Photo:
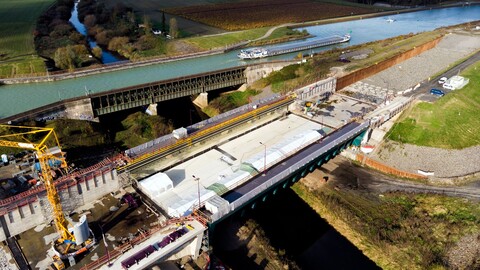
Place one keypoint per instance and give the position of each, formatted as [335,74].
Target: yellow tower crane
[42,140]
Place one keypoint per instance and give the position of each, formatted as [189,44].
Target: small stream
[107,57]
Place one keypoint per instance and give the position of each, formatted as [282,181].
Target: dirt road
[343,173]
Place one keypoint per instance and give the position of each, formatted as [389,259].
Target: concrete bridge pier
[201,100]
[80,110]
[152,109]
[192,249]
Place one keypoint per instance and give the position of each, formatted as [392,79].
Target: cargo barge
[256,53]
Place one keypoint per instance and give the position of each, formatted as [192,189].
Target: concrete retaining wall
[374,69]
[257,72]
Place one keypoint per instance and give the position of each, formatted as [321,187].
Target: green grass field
[451,122]
[17,22]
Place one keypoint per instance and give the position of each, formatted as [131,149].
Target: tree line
[117,29]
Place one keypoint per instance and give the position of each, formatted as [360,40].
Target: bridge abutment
[31,210]
[152,109]
[257,72]
[201,100]
[80,110]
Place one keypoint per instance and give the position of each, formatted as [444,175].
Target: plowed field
[253,14]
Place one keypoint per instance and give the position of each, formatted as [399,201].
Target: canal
[33,95]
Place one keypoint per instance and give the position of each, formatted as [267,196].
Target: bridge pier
[201,100]
[152,109]
[80,110]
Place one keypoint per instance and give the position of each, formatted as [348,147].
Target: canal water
[290,225]
[107,57]
[33,95]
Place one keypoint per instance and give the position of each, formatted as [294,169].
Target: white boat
[256,53]
[390,20]
[253,53]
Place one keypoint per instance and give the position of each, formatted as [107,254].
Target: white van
[448,86]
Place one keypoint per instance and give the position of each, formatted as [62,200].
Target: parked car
[442,80]
[437,92]
[448,86]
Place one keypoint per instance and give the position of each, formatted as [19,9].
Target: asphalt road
[423,93]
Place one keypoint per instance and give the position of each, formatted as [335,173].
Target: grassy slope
[210,42]
[397,231]
[451,122]
[17,22]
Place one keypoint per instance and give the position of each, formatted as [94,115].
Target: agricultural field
[255,14]
[17,22]
[153,9]
[451,122]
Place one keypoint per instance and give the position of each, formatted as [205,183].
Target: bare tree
[164,27]
[173,28]
[90,21]
[147,24]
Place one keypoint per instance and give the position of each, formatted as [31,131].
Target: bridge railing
[296,166]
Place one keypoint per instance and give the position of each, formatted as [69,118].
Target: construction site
[111,214]
[133,212]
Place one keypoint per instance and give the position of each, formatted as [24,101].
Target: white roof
[284,149]
[156,184]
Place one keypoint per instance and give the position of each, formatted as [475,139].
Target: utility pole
[198,188]
[106,246]
[264,159]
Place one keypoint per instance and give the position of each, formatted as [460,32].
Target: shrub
[117,43]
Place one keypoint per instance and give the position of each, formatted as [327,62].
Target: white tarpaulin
[280,151]
[155,185]
[182,204]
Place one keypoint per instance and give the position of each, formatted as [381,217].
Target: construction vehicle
[57,263]
[44,142]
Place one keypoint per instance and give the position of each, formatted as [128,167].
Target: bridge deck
[323,146]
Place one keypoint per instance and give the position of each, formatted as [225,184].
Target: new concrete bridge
[291,170]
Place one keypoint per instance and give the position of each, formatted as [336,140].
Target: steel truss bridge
[145,94]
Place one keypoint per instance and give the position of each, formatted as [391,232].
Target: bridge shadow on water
[293,226]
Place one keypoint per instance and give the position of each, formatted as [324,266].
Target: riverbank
[217,49]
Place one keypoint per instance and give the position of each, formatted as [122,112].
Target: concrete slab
[340,109]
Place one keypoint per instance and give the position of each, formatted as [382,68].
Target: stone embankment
[453,164]
[444,163]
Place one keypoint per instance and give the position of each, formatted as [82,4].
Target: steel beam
[141,95]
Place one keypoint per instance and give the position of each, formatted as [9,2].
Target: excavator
[44,142]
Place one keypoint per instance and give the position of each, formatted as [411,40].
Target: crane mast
[44,136]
